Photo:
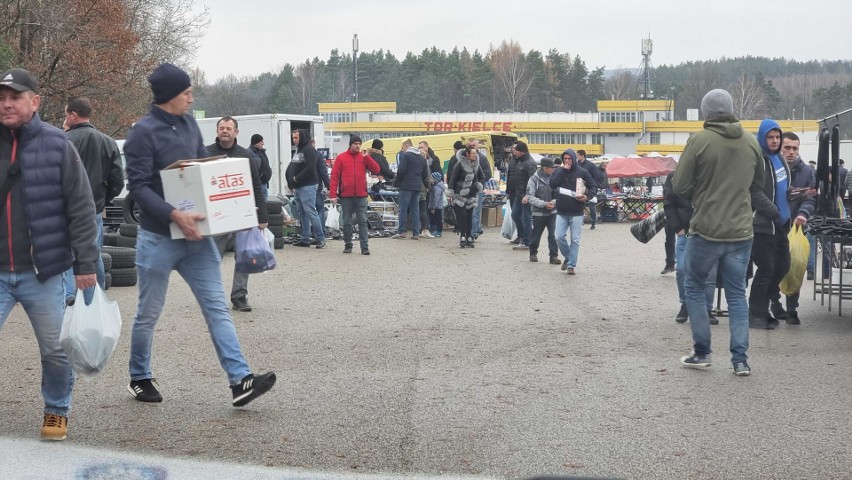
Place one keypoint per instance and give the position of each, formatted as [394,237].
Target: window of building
[597,139]
[537,137]
[655,138]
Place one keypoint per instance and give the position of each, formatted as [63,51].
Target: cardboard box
[489,217]
[218,188]
[500,212]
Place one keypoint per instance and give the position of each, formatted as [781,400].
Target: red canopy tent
[640,167]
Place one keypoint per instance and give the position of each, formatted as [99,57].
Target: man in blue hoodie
[770,250]
[168,133]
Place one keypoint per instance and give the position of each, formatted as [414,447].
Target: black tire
[277,230]
[107,280]
[274,205]
[278,243]
[107,258]
[124,277]
[110,239]
[275,219]
[127,242]
[130,210]
[129,229]
[122,257]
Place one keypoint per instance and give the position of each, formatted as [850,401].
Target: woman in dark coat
[465,182]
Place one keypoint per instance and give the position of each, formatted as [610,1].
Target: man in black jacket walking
[227,130]
[102,161]
[521,168]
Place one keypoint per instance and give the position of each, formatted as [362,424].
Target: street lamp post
[355,67]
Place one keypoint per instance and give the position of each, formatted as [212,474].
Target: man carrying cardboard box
[168,134]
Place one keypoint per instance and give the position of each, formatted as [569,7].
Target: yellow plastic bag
[800,249]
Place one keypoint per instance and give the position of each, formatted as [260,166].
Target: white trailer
[275,128]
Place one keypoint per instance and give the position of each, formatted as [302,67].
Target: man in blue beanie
[165,135]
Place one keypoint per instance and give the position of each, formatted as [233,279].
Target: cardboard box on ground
[217,187]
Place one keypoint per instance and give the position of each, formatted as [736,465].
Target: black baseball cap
[19,79]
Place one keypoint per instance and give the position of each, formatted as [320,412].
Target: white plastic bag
[270,237]
[333,219]
[90,333]
[508,229]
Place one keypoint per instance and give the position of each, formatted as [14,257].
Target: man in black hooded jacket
[302,180]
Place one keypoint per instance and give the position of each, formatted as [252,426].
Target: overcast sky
[255,36]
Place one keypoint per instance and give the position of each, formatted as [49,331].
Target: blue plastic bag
[252,251]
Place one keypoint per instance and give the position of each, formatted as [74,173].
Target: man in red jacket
[349,184]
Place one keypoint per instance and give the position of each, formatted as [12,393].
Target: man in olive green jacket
[720,169]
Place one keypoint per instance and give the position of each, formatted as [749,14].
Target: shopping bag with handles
[90,333]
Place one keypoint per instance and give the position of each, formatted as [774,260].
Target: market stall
[637,203]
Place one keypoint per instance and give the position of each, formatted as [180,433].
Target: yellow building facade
[618,128]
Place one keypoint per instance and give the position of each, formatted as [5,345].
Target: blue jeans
[199,265]
[569,251]
[522,216]
[409,203]
[68,275]
[732,258]
[323,213]
[265,192]
[44,305]
[309,218]
[680,251]
[477,214]
[358,207]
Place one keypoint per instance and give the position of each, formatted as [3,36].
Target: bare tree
[306,81]
[748,95]
[618,86]
[510,70]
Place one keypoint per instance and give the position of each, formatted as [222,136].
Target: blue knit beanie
[167,82]
[437,176]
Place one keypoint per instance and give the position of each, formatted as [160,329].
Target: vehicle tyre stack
[123,266]
[127,233]
[107,258]
[275,217]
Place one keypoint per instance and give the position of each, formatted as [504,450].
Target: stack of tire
[122,271]
[121,247]
[275,217]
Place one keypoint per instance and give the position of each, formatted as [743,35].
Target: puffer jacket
[349,174]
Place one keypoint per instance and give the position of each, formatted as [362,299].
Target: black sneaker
[144,390]
[515,241]
[810,275]
[321,245]
[772,321]
[777,311]
[682,315]
[668,269]
[555,261]
[251,387]
[593,227]
[302,244]
[241,304]
[533,258]
[761,323]
[742,369]
[365,251]
[713,319]
[347,249]
[696,361]
[793,318]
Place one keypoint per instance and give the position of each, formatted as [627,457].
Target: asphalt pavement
[426,359]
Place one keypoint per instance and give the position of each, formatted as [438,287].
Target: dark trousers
[771,256]
[539,224]
[464,221]
[671,237]
[436,220]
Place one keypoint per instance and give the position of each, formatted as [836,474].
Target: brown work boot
[55,427]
